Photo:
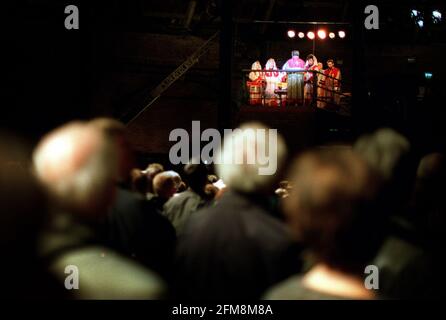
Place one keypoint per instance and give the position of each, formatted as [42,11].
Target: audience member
[404,267]
[77,164]
[333,210]
[165,185]
[151,171]
[236,249]
[180,208]
[134,225]
[23,208]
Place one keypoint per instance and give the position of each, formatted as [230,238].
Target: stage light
[310,35]
[428,75]
[341,34]
[418,18]
[291,34]
[436,16]
[301,35]
[321,34]
[332,35]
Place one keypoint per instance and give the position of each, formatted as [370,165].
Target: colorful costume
[295,81]
[332,85]
[309,78]
[272,78]
[255,85]
[320,89]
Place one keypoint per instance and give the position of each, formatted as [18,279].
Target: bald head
[166,183]
[77,164]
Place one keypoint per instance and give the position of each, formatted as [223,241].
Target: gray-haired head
[251,158]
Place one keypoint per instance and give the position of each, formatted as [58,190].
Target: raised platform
[302,127]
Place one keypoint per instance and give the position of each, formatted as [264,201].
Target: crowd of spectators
[219,232]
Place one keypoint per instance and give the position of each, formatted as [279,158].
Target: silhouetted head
[196,176]
[332,208]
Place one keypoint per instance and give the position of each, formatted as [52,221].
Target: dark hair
[140,181]
[330,60]
[151,171]
[196,176]
[310,56]
[333,208]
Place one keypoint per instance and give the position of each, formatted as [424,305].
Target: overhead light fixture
[322,34]
[436,16]
[291,34]
[310,35]
[415,13]
[332,35]
[341,34]
[417,17]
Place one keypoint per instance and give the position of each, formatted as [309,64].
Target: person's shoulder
[294,289]
[125,201]
[181,198]
[104,274]
[260,219]
[288,289]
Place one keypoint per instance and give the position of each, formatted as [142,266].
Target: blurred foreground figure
[135,226]
[22,212]
[236,248]
[332,209]
[77,163]
[429,199]
[429,207]
[403,264]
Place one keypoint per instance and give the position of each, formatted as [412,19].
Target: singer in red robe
[256,84]
[332,84]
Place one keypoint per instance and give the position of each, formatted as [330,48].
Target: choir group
[294,83]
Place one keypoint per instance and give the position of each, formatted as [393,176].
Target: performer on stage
[272,78]
[310,65]
[320,89]
[256,84]
[294,80]
[332,83]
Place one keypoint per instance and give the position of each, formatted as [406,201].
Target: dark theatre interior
[94,207]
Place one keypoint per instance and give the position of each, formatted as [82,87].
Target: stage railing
[326,92]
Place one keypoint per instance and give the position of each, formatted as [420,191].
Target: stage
[302,126]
